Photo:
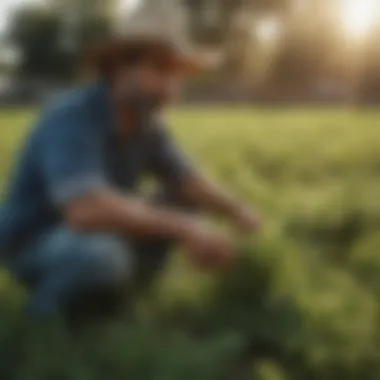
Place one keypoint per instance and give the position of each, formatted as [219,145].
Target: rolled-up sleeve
[70,156]
[168,162]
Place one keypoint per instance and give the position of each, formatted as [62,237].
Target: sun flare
[358,16]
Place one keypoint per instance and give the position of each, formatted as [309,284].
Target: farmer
[73,228]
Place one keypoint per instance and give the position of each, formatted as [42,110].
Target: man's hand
[208,247]
[246,221]
[202,192]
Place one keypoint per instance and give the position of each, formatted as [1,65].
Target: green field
[308,287]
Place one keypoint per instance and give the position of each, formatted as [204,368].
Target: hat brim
[182,59]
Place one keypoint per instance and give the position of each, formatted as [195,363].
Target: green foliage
[37,34]
[301,303]
[44,41]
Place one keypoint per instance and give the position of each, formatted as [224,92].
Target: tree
[369,86]
[50,46]
[35,33]
[309,46]
[211,19]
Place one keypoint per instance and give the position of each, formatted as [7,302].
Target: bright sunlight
[268,29]
[358,16]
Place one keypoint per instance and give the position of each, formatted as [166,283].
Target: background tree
[35,32]
[50,43]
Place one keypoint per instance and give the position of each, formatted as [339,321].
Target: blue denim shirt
[74,149]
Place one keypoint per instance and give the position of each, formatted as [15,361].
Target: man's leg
[65,269]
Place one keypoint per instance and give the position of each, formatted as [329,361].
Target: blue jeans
[64,269]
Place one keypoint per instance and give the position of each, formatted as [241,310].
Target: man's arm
[106,210]
[173,168]
[70,157]
[203,192]
[72,166]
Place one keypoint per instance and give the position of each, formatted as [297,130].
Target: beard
[142,103]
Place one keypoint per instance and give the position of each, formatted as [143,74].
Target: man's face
[148,87]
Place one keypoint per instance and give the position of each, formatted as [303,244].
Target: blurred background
[288,121]
[273,50]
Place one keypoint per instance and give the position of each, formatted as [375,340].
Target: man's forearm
[126,215]
[204,193]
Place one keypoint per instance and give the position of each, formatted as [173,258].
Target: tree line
[298,47]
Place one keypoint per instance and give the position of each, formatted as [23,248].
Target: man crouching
[72,221]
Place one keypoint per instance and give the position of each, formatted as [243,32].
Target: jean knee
[106,260]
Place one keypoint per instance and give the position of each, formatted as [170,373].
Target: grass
[280,160]
[315,177]
[300,168]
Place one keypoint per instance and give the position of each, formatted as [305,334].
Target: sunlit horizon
[356,19]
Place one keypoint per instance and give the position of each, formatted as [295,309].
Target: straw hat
[159,32]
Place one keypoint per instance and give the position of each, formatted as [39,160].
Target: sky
[6,7]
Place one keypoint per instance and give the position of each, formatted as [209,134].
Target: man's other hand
[208,247]
[246,221]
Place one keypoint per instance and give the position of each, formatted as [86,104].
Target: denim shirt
[74,149]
